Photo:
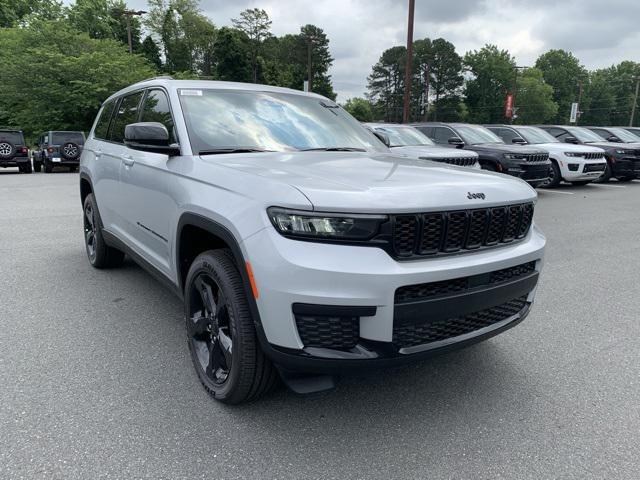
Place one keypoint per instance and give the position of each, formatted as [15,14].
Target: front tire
[555,177]
[625,179]
[99,253]
[221,333]
[606,176]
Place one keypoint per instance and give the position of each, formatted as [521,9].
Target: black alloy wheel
[99,253]
[555,177]
[209,328]
[90,231]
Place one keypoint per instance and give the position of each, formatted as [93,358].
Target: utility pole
[635,101]
[309,71]
[408,67]
[579,99]
[128,14]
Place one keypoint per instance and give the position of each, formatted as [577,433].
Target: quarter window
[102,127]
[156,109]
[127,113]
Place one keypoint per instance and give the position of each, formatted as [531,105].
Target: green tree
[256,25]
[493,73]
[360,108]
[14,12]
[321,60]
[564,73]
[231,52]
[437,74]
[75,74]
[386,84]
[150,50]
[534,98]
[599,99]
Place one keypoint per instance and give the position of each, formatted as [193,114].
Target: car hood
[568,147]
[611,145]
[433,152]
[498,147]
[378,182]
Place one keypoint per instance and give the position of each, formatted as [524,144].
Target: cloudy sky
[598,32]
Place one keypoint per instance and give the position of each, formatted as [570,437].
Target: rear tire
[48,168]
[99,253]
[37,167]
[73,169]
[221,333]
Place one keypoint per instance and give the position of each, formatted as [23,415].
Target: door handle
[97,153]
[127,160]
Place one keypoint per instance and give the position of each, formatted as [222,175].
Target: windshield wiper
[333,149]
[214,151]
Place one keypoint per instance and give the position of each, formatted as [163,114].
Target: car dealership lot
[96,380]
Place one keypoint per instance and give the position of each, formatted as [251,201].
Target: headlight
[574,154]
[624,152]
[330,226]
[513,156]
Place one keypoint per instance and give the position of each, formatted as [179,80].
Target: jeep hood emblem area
[472,196]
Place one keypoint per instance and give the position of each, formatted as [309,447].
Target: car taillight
[50,149]
[24,150]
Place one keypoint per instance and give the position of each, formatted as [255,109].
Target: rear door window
[127,113]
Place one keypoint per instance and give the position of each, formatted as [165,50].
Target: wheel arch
[86,187]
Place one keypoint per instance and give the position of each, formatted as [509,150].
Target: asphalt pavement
[96,380]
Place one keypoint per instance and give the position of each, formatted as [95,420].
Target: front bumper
[361,282]
[576,169]
[532,173]
[626,167]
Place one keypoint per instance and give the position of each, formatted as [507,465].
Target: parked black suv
[14,151]
[634,130]
[529,164]
[623,160]
[58,148]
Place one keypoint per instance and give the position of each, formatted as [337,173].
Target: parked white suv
[577,164]
[409,141]
[299,243]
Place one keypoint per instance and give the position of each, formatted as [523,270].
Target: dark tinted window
[556,132]
[428,131]
[127,113]
[563,135]
[602,132]
[102,127]
[442,135]
[60,138]
[15,138]
[506,134]
[156,109]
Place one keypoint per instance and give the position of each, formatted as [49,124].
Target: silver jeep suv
[301,245]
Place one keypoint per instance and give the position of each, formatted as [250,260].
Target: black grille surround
[592,155]
[411,335]
[429,234]
[459,161]
[535,157]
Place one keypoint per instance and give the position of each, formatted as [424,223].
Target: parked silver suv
[300,244]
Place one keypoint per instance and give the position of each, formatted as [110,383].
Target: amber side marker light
[252,281]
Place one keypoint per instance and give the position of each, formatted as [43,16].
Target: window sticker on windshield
[191,93]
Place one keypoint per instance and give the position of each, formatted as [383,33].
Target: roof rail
[15,129]
[160,77]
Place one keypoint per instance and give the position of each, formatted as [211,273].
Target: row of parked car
[543,155]
[53,149]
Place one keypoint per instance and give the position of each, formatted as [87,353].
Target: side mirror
[456,141]
[613,138]
[519,141]
[149,137]
[571,140]
[383,137]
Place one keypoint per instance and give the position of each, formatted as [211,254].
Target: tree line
[58,63]
[472,88]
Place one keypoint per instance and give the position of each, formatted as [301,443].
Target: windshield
[536,135]
[405,136]
[474,134]
[60,138]
[623,135]
[273,121]
[12,137]
[584,135]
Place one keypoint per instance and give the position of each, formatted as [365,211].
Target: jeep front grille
[592,155]
[459,161]
[447,232]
